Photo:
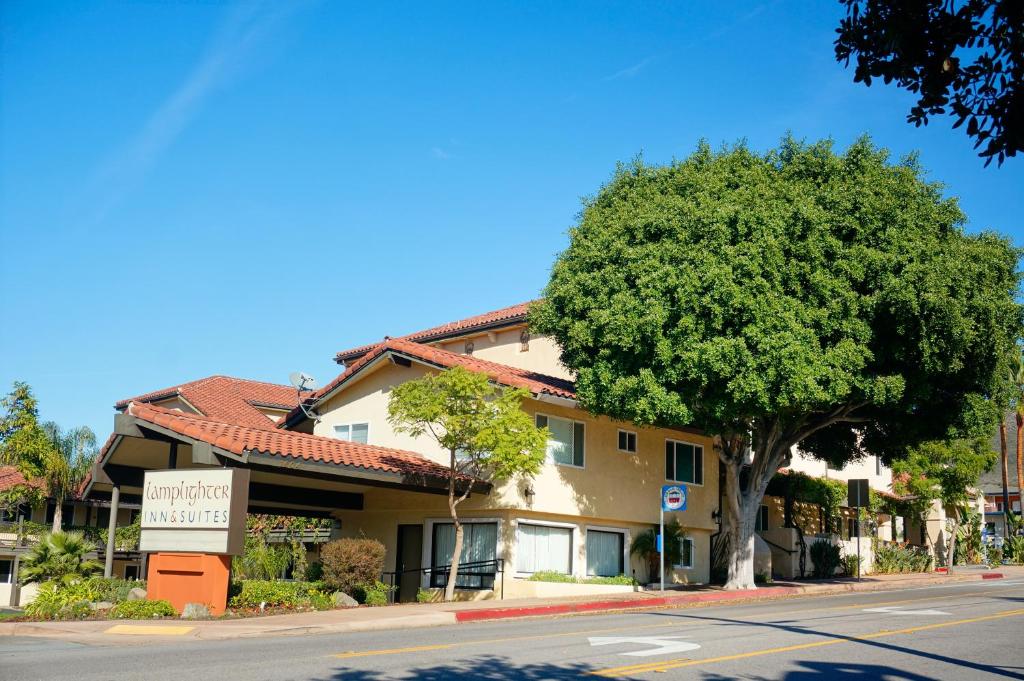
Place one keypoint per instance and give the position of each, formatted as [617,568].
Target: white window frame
[696,446]
[574,422]
[335,426]
[574,532]
[636,442]
[763,509]
[684,566]
[427,552]
[627,569]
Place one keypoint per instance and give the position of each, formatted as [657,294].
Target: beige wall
[504,346]
[865,468]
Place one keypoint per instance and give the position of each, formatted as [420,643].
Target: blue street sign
[659,543]
[673,498]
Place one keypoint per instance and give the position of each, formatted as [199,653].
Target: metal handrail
[394,577]
[771,543]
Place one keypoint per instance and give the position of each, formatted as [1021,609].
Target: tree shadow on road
[852,638]
[834,671]
[482,668]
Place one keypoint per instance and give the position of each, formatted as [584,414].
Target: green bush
[425,596]
[1013,549]
[250,593]
[351,563]
[315,572]
[850,565]
[375,593]
[900,558]
[826,557]
[65,599]
[113,589]
[562,578]
[993,554]
[142,610]
[260,560]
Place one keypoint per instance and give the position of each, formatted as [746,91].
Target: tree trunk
[58,517]
[951,545]
[1020,462]
[741,530]
[453,502]
[1006,493]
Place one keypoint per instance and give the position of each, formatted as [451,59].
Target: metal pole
[661,552]
[108,564]
[858,544]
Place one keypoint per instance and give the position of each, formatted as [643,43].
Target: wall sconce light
[716,515]
[528,492]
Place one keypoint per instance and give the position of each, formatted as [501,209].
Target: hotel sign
[195,510]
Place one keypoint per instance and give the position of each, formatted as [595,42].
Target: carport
[290,473]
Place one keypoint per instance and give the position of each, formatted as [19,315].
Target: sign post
[193,521]
[673,498]
[858,497]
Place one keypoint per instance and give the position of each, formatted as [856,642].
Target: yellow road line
[392,651]
[665,665]
[147,630]
[633,627]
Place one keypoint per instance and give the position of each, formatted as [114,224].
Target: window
[12,514]
[851,528]
[353,432]
[565,440]
[543,548]
[761,523]
[131,571]
[605,556]
[67,514]
[684,462]
[479,543]
[103,516]
[627,441]
[687,554]
[878,465]
[6,570]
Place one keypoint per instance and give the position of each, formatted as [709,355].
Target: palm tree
[67,464]
[645,545]
[59,556]
[1017,377]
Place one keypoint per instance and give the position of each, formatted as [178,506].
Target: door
[409,556]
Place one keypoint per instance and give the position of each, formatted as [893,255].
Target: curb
[766,593]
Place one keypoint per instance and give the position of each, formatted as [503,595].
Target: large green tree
[482,427]
[66,465]
[795,297]
[24,444]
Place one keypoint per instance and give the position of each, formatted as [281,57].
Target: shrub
[250,593]
[64,599]
[562,578]
[850,565]
[551,576]
[994,555]
[826,558]
[113,589]
[1013,549]
[425,596]
[260,560]
[900,558]
[350,563]
[315,572]
[142,610]
[59,555]
[375,593]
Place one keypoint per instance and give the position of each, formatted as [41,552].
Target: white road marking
[895,610]
[663,644]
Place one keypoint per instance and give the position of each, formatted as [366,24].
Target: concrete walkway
[415,615]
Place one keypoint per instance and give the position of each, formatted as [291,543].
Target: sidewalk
[413,615]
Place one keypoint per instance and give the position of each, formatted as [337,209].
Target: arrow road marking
[663,644]
[900,611]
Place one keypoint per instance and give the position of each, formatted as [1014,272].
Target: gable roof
[513,314]
[227,399]
[244,440]
[503,374]
[11,477]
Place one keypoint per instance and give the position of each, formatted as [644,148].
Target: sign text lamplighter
[673,498]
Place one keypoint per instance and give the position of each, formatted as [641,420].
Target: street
[967,631]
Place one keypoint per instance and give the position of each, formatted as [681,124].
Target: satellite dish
[301,380]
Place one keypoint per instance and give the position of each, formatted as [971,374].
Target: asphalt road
[967,631]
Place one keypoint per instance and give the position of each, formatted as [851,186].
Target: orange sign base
[189,578]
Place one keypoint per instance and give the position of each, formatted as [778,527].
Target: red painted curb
[991,575]
[591,606]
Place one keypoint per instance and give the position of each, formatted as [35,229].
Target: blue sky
[192,188]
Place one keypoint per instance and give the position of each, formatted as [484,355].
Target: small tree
[945,471]
[482,427]
[60,556]
[24,443]
[645,545]
[67,463]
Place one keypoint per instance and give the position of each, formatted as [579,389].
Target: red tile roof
[11,477]
[503,374]
[288,444]
[227,399]
[506,315]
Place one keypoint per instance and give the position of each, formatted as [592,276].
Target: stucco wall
[505,347]
[865,468]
